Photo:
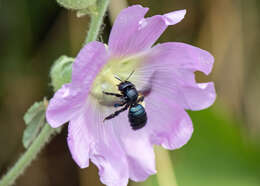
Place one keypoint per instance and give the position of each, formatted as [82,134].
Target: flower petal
[124,27]
[132,33]
[141,157]
[182,56]
[90,137]
[138,148]
[172,66]
[175,17]
[87,65]
[109,157]
[199,96]
[169,124]
[64,105]
[80,136]
[68,100]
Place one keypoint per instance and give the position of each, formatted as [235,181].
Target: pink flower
[165,72]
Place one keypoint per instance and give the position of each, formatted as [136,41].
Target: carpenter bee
[130,98]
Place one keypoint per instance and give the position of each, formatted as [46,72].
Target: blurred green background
[224,149]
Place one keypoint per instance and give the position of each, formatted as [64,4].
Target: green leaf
[34,119]
[33,111]
[76,4]
[61,72]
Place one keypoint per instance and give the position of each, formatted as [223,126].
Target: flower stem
[115,6]
[165,175]
[96,21]
[26,159]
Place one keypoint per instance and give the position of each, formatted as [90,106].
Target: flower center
[106,81]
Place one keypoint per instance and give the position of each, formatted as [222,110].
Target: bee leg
[120,104]
[112,94]
[141,99]
[116,112]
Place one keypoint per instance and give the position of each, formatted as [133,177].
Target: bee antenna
[130,75]
[117,78]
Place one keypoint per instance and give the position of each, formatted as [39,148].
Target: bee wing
[173,77]
[143,80]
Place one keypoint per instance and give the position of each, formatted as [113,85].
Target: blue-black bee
[130,98]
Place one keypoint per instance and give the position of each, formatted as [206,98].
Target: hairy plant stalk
[97,21]
[26,159]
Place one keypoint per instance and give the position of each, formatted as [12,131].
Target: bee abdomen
[137,116]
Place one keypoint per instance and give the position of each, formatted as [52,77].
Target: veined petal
[132,33]
[68,100]
[88,63]
[124,27]
[175,17]
[169,125]
[172,66]
[199,96]
[182,56]
[80,138]
[141,158]
[90,137]
[109,157]
[65,104]
[138,148]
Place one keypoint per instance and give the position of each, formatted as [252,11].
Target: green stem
[115,7]
[96,21]
[165,175]
[26,159]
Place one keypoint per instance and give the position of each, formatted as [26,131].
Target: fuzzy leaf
[34,119]
[33,111]
[76,4]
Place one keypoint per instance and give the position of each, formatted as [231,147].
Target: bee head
[125,85]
